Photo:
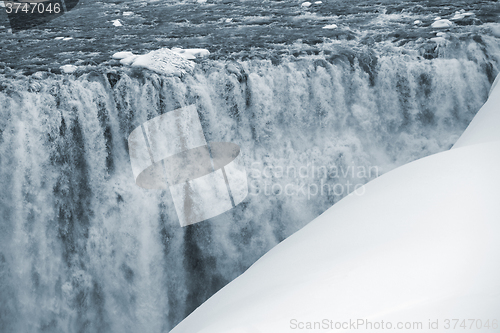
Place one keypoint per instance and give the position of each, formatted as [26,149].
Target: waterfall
[84,249]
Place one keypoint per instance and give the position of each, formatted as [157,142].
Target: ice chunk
[122,55]
[164,61]
[330,26]
[306,4]
[117,23]
[442,24]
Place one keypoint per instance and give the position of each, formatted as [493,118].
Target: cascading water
[83,249]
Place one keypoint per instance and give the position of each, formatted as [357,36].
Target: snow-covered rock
[191,53]
[420,244]
[68,69]
[330,26]
[306,4]
[164,61]
[442,24]
[117,23]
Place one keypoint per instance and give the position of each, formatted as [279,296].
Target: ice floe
[441,24]
[330,26]
[128,13]
[306,4]
[122,55]
[163,61]
[417,22]
[318,2]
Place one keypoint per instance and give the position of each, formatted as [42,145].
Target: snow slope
[422,243]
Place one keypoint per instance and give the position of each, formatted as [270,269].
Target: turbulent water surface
[83,249]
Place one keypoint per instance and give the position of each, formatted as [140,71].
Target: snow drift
[419,244]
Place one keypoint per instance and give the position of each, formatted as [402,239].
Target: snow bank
[422,243]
